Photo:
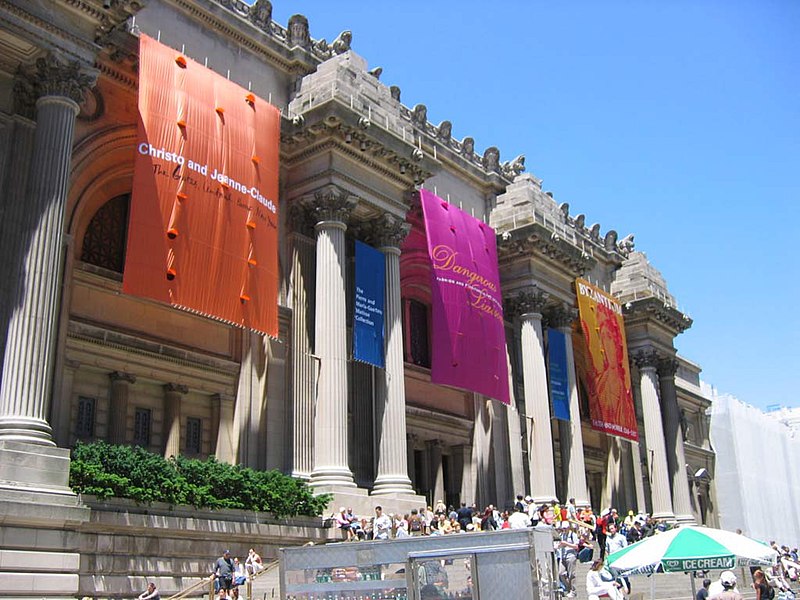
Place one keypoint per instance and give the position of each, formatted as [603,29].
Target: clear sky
[677,121]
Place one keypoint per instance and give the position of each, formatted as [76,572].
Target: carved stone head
[395,92]
[420,115]
[491,159]
[261,14]
[298,31]
[468,147]
[445,131]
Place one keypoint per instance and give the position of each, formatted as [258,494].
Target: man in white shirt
[519,520]
[614,540]
[381,525]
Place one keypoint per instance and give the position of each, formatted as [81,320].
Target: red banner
[203,232]
[601,360]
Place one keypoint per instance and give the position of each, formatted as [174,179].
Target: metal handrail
[184,593]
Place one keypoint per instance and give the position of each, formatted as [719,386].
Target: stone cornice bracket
[332,203]
[667,367]
[122,376]
[656,309]
[390,231]
[560,316]
[176,387]
[647,358]
[51,75]
[531,300]
[115,16]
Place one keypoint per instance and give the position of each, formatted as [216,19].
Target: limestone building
[83,361]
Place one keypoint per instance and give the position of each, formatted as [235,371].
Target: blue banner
[559,378]
[369,305]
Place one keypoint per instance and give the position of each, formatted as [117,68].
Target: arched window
[104,241]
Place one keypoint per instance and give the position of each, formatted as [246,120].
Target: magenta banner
[468,337]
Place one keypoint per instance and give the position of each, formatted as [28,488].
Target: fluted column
[173,398]
[61,411]
[437,472]
[647,361]
[390,407]
[303,365]
[30,345]
[576,468]
[331,207]
[411,440]
[673,434]
[468,485]
[118,410]
[529,306]
[222,427]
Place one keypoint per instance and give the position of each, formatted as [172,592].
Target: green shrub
[107,471]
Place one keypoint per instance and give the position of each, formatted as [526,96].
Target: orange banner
[203,232]
[601,359]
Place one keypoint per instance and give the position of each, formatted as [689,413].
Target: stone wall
[122,546]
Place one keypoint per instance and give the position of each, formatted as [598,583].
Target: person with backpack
[764,591]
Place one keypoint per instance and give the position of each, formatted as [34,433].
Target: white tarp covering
[757,477]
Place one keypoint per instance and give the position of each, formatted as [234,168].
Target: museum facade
[84,361]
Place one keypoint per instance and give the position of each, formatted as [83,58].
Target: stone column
[30,345]
[390,409]
[222,427]
[118,408]
[61,413]
[303,364]
[673,435]
[576,468]
[467,474]
[529,306]
[332,207]
[411,440]
[173,397]
[437,473]
[517,468]
[647,361]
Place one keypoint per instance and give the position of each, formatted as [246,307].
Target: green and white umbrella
[691,549]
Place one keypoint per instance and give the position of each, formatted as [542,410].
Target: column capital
[52,75]
[121,376]
[330,203]
[434,443]
[529,300]
[222,398]
[561,316]
[175,388]
[389,231]
[667,367]
[647,359]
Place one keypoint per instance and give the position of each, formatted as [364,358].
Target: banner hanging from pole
[468,337]
[203,231]
[559,378]
[601,359]
[368,320]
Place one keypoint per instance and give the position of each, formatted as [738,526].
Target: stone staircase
[267,586]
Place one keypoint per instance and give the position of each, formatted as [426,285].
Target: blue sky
[678,121]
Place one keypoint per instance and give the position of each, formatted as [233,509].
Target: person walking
[223,572]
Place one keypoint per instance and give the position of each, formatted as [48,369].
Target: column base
[332,476]
[392,484]
[664,516]
[27,430]
[545,500]
[686,519]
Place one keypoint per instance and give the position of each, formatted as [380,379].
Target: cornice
[535,240]
[646,309]
[246,35]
